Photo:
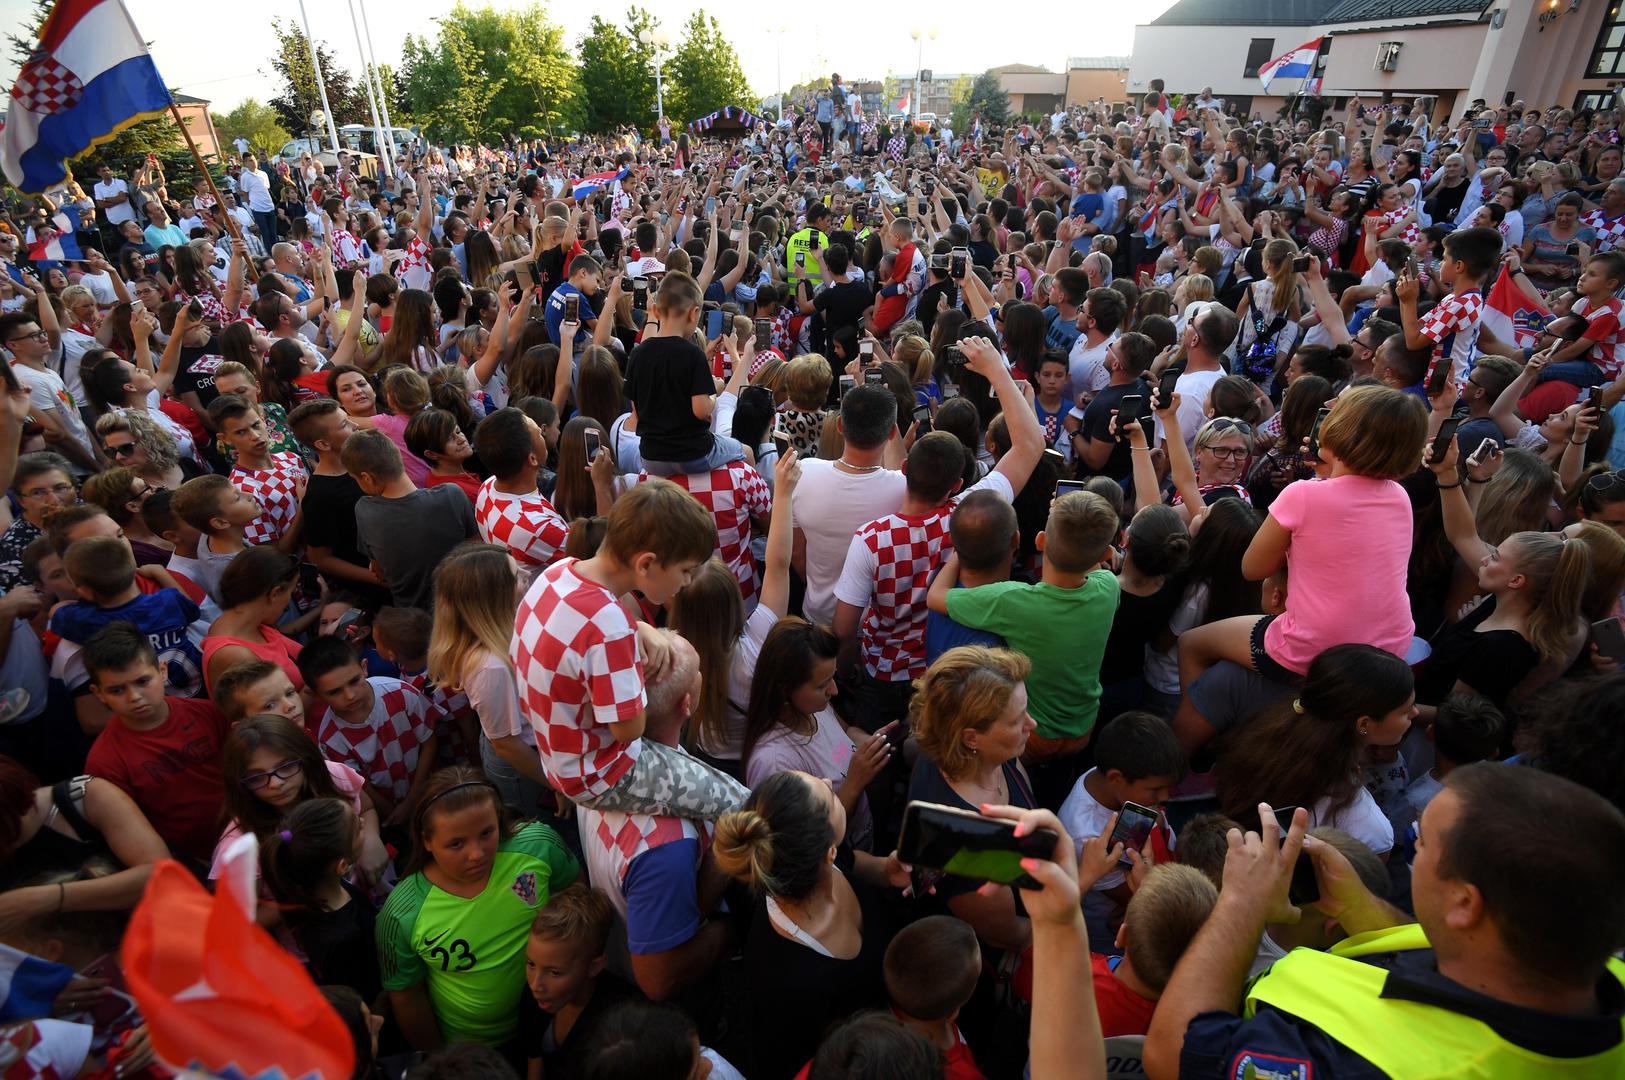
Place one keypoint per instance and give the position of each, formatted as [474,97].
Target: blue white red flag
[1297,64]
[589,184]
[1511,315]
[89,78]
[902,103]
[29,985]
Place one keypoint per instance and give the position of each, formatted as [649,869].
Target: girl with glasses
[271,765]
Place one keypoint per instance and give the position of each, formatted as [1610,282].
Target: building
[195,114]
[1096,78]
[1031,89]
[1544,52]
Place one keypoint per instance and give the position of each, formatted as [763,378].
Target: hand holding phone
[971,845]
[1441,441]
[1134,826]
[592,444]
[1313,451]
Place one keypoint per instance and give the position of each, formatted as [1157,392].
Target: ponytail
[1558,571]
[779,842]
[299,856]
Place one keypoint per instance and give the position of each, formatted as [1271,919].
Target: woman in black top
[822,921]
[63,827]
[1157,545]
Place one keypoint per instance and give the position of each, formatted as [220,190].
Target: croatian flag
[902,104]
[54,242]
[587,185]
[1511,315]
[89,78]
[28,985]
[1297,64]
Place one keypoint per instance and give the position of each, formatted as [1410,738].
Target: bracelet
[1450,487]
[1145,449]
[1476,480]
[61,895]
[1577,442]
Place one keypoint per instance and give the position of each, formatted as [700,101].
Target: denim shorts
[1265,664]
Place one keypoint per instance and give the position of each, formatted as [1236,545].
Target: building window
[1259,53]
[1608,58]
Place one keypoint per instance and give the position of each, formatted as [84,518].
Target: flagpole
[231,222]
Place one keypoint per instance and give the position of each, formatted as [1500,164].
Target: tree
[255,122]
[986,96]
[299,95]
[704,73]
[488,74]
[617,75]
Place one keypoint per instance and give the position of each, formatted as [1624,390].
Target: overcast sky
[218,51]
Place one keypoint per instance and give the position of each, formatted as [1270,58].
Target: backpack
[1259,362]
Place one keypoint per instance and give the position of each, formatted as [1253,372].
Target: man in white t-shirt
[1208,333]
[1099,317]
[254,187]
[33,348]
[112,197]
[833,498]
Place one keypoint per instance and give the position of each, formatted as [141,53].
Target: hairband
[287,835]
[455,787]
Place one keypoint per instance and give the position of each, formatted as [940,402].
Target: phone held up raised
[1133,829]
[970,845]
[1441,441]
[1314,434]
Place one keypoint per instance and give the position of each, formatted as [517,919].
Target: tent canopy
[730,118]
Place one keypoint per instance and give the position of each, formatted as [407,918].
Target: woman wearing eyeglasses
[134,440]
[1222,450]
[270,765]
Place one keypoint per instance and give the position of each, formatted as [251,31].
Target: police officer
[1519,889]
[814,235]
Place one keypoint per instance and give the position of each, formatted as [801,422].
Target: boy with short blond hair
[806,379]
[257,688]
[1167,910]
[579,659]
[221,512]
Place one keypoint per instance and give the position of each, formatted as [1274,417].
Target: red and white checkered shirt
[612,839]
[733,494]
[346,248]
[413,272]
[1413,232]
[451,705]
[527,525]
[1610,232]
[384,747]
[277,490]
[576,657]
[213,310]
[888,570]
[1603,328]
[1452,325]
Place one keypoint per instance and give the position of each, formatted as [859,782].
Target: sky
[210,53]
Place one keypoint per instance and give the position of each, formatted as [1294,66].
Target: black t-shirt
[329,509]
[195,372]
[926,312]
[841,306]
[1492,662]
[561,1061]
[663,376]
[1137,621]
[339,945]
[1097,421]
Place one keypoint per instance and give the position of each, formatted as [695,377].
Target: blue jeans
[723,451]
[1581,373]
[265,220]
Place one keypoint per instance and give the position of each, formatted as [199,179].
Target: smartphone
[1314,433]
[1063,487]
[801,260]
[1134,825]
[592,443]
[1301,263]
[958,263]
[764,334]
[939,262]
[1165,388]
[1055,457]
[713,324]
[1132,405]
[781,442]
[1610,638]
[954,356]
[898,735]
[1593,398]
[866,350]
[1441,441]
[1438,375]
[710,205]
[874,202]
[967,844]
[1486,449]
[922,420]
[572,308]
[873,376]
[524,277]
[847,383]
[195,310]
[640,294]
[924,207]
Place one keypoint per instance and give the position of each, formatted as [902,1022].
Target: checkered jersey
[1413,232]
[213,310]
[1603,327]
[277,490]
[527,525]
[576,658]
[346,248]
[888,569]
[733,494]
[615,838]
[1452,325]
[412,272]
[1610,231]
[384,747]
[452,704]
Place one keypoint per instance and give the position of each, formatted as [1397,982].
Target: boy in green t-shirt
[1061,624]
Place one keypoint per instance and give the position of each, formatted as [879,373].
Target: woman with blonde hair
[476,592]
[914,355]
[134,440]
[969,717]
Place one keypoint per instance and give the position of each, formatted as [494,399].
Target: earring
[1363,730]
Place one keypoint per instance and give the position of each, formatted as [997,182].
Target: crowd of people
[570,560]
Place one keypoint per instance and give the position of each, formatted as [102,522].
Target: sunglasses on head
[1224,423]
[1606,481]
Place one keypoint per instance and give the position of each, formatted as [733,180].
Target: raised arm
[776,575]
[346,349]
[497,344]
[1026,436]
[1459,526]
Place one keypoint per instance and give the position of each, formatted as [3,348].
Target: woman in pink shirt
[1345,540]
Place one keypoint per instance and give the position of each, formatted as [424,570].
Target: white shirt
[828,506]
[46,392]
[254,184]
[121,211]
[1088,366]
[1193,388]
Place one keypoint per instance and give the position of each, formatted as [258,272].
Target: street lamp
[778,65]
[919,62]
[656,41]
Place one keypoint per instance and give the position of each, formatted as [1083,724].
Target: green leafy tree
[704,73]
[298,95]
[617,74]
[986,96]
[256,122]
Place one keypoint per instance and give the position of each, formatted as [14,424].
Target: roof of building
[188,99]
[1020,69]
[1245,13]
[1096,63]
[1352,10]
